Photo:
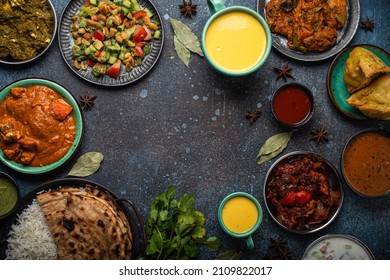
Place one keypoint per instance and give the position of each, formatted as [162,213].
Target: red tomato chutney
[292,104]
[37,126]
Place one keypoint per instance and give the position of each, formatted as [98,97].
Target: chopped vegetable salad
[108,34]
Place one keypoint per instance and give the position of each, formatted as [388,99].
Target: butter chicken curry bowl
[41,125]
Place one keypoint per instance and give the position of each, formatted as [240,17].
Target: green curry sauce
[8,196]
[25,28]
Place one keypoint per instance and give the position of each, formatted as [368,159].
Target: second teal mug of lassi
[240,215]
[236,40]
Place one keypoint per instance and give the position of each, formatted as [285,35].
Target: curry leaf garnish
[185,38]
[274,146]
[87,164]
[175,229]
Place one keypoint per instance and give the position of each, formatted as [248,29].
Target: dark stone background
[186,127]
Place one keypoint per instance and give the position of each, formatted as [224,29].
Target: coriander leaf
[175,229]
[186,203]
[198,232]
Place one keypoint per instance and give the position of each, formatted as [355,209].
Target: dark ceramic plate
[136,223]
[337,89]
[332,177]
[344,36]
[65,40]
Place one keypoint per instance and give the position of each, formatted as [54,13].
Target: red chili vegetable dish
[300,192]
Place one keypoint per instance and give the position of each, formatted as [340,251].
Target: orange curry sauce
[37,126]
[366,164]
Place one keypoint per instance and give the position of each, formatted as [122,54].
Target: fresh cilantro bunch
[175,229]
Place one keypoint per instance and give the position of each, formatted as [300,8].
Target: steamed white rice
[30,237]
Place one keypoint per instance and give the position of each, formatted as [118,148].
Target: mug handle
[215,5]
[249,242]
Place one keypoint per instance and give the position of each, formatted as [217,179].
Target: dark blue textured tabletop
[186,126]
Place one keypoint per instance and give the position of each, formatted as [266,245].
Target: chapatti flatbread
[86,224]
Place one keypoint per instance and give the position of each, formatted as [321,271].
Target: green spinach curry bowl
[27,30]
[41,126]
[9,196]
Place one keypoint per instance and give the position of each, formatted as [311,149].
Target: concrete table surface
[186,127]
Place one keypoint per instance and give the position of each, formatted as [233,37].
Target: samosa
[374,100]
[361,69]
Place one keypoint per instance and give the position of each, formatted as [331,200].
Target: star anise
[278,250]
[252,116]
[87,100]
[284,72]
[320,135]
[187,8]
[278,244]
[367,25]
[285,254]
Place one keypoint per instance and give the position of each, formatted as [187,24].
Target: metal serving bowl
[332,177]
[367,165]
[53,31]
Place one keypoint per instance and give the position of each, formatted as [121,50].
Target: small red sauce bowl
[292,104]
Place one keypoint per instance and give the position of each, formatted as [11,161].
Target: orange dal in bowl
[366,164]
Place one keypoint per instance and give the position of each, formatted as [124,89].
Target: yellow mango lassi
[235,41]
[239,214]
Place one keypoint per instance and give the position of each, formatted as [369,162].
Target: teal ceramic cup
[236,40]
[240,215]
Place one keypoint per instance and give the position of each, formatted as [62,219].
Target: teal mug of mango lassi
[236,40]
[240,215]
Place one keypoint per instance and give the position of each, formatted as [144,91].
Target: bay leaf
[273,146]
[182,52]
[87,164]
[230,255]
[186,36]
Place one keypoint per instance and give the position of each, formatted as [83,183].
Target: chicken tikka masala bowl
[41,125]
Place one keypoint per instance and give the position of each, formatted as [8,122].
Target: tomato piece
[140,44]
[302,197]
[289,199]
[97,54]
[90,62]
[87,3]
[149,34]
[139,14]
[138,51]
[99,35]
[87,36]
[113,70]
[139,34]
